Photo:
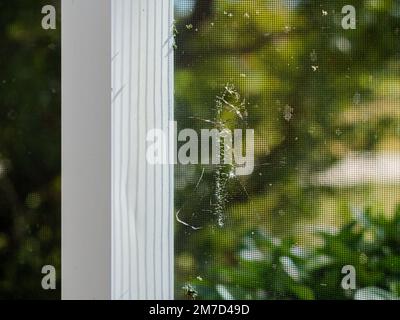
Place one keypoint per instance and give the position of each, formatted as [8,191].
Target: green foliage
[268,268]
[30,149]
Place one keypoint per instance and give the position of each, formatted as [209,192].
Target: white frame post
[86,149]
[142,193]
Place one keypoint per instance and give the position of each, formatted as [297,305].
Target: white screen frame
[142,193]
[90,243]
[86,149]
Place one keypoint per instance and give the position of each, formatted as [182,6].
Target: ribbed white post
[142,193]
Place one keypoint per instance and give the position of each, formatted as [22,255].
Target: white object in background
[361,168]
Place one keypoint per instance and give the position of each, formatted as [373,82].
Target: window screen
[311,89]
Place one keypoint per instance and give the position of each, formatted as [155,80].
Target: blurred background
[30,149]
[324,103]
[325,106]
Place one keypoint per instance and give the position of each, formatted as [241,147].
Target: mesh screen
[318,83]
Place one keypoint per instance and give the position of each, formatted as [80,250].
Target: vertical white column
[142,193]
[86,150]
